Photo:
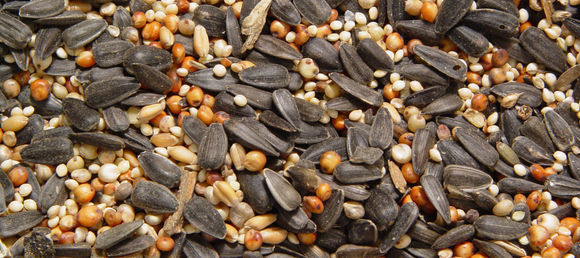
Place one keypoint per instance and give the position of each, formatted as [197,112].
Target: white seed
[571,59]
[560,156]
[560,96]
[476,67]
[503,208]
[53,222]
[360,18]
[524,16]
[219,70]
[493,189]
[576,202]
[398,85]
[435,155]
[403,242]
[30,205]
[395,77]
[399,55]
[520,170]
[548,96]
[240,100]
[558,166]
[549,221]
[336,25]
[465,93]
[551,33]
[401,153]
[15,206]
[355,115]
[415,86]
[542,25]
[532,68]
[109,173]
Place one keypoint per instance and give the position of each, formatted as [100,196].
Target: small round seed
[253,240]
[313,204]
[240,100]
[90,215]
[328,161]
[503,208]
[323,191]
[255,161]
[219,70]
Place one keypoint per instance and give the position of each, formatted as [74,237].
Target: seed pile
[277,128]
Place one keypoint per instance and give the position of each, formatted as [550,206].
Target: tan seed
[150,111]
[182,154]
[273,235]
[14,123]
[200,41]
[261,221]
[503,208]
[164,140]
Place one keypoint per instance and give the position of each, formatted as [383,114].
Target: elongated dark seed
[101,140]
[201,213]
[382,130]
[49,40]
[442,61]
[148,55]
[493,22]
[160,169]
[349,173]
[361,92]
[470,41]
[355,65]
[559,131]
[477,147]
[517,185]
[449,15]
[563,187]
[131,245]
[117,234]
[490,249]
[316,16]
[436,195]
[13,32]
[405,219]
[499,228]
[241,133]
[543,49]
[256,98]
[80,115]
[51,151]
[324,54]
[83,33]
[286,196]
[276,47]
[154,197]
[81,250]
[466,178]
[454,236]
[105,93]
[331,213]
[152,78]
[286,106]
[15,223]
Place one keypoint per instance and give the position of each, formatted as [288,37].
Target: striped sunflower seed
[83,33]
[154,197]
[333,209]
[117,234]
[499,228]
[201,214]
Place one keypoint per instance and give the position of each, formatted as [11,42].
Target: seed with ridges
[154,197]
